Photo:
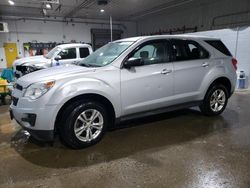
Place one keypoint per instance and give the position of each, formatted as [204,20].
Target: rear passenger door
[191,64]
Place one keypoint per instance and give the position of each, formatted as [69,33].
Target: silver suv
[125,79]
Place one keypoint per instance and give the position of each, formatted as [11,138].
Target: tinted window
[84,52]
[217,44]
[153,52]
[69,53]
[187,50]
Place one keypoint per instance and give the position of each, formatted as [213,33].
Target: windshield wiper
[88,65]
[84,64]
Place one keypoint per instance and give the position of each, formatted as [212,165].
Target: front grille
[15,101]
[19,87]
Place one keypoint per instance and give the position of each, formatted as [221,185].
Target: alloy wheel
[88,125]
[217,100]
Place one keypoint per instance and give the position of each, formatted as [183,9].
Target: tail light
[234,62]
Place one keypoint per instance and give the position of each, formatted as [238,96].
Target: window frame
[186,41]
[67,49]
[137,48]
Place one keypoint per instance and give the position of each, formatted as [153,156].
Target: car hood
[54,73]
[32,61]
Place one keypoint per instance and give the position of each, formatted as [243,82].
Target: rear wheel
[215,100]
[83,124]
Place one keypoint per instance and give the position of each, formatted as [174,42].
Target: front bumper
[41,135]
[37,121]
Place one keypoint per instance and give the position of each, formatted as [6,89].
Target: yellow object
[10,53]
[3,86]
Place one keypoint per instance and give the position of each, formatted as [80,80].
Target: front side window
[188,50]
[69,53]
[153,52]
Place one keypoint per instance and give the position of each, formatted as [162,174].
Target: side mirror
[58,57]
[133,62]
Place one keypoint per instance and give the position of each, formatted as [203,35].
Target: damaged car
[60,55]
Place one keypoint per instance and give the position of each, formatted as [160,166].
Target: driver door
[150,86]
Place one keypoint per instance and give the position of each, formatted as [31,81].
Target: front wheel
[84,124]
[215,101]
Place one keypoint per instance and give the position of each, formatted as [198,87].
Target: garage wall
[39,31]
[203,14]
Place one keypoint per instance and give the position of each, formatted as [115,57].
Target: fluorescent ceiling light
[48,6]
[102,10]
[11,2]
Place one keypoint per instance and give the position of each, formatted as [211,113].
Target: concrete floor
[177,149]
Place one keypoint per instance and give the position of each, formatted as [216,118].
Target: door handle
[166,71]
[205,64]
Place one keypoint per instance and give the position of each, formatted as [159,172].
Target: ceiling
[130,10]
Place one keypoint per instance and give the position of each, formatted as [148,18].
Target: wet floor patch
[176,149]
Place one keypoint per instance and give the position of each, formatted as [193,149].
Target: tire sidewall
[70,122]
[206,102]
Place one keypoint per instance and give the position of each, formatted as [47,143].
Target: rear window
[218,45]
[84,52]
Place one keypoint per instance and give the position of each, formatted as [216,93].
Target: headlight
[37,90]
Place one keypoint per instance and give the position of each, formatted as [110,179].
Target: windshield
[52,52]
[106,54]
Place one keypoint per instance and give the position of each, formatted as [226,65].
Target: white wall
[29,30]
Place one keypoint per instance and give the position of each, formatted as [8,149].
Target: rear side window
[183,50]
[218,45]
[84,52]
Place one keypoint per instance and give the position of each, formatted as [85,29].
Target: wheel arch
[224,81]
[91,96]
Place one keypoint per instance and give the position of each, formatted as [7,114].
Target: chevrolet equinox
[124,79]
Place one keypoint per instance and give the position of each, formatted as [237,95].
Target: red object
[234,62]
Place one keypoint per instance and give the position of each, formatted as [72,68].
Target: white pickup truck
[60,55]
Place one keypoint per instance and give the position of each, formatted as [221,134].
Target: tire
[212,105]
[77,130]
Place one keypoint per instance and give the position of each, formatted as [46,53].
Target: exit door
[10,53]
[100,37]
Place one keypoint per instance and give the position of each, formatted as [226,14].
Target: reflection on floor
[177,149]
